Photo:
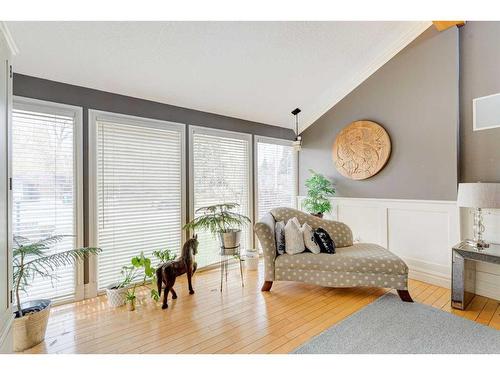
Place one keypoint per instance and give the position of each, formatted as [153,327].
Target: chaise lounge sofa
[353,264]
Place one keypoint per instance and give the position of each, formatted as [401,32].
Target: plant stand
[225,255]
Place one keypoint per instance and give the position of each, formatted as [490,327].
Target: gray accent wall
[479,76]
[38,88]
[415,98]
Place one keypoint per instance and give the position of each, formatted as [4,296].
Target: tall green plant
[31,259]
[319,189]
[218,218]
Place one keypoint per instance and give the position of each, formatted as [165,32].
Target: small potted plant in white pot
[222,221]
[123,292]
[117,292]
[319,190]
[30,260]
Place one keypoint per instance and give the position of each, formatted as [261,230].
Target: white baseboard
[429,277]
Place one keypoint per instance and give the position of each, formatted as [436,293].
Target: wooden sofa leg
[267,286]
[405,296]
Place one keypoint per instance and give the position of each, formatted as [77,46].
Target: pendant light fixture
[297,144]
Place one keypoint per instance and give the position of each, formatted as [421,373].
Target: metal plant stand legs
[224,264]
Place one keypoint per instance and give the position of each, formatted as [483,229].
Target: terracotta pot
[319,214]
[29,330]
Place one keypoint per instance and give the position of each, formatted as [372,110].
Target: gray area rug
[390,326]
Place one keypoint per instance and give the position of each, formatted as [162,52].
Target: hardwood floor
[238,320]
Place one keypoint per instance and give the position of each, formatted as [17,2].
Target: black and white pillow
[279,232]
[324,241]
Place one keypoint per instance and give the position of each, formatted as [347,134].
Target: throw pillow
[309,241]
[294,240]
[296,221]
[279,232]
[324,241]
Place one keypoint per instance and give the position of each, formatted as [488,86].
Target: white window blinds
[220,167]
[139,182]
[44,167]
[276,175]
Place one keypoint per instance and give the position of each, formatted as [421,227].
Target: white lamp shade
[479,195]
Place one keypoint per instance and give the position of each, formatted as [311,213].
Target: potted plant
[31,259]
[319,190]
[117,292]
[223,222]
[123,292]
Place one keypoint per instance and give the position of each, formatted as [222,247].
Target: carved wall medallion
[361,150]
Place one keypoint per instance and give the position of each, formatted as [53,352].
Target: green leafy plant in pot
[124,292]
[32,259]
[117,292]
[223,222]
[319,190]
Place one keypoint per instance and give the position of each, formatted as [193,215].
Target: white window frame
[36,105]
[277,141]
[193,129]
[91,289]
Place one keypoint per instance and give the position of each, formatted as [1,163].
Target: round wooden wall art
[361,150]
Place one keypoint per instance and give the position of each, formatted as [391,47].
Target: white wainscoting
[421,232]
[487,275]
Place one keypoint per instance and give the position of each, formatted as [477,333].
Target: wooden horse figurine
[185,264]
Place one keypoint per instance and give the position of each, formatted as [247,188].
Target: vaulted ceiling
[257,71]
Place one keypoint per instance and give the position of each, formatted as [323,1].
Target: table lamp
[478,196]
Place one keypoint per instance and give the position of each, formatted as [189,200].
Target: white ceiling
[256,71]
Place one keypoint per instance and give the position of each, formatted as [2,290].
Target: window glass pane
[44,200]
[220,174]
[276,177]
[139,187]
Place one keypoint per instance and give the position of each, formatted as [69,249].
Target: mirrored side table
[463,275]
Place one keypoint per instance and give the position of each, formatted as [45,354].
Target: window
[276,165]
[220,172]
[139,196]
[46,167]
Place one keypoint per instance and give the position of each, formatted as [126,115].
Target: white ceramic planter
[116,297]
[251,259]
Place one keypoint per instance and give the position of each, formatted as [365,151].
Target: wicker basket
[29,330]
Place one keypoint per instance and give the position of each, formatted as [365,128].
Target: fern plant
[32,259]
[319,189]
[218,218]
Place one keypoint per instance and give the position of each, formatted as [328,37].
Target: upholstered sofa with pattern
[353,264]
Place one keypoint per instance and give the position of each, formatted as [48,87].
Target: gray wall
[479,76]
[415,97]
[37,88]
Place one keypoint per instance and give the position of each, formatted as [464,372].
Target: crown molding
[332,97]
[8,38]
